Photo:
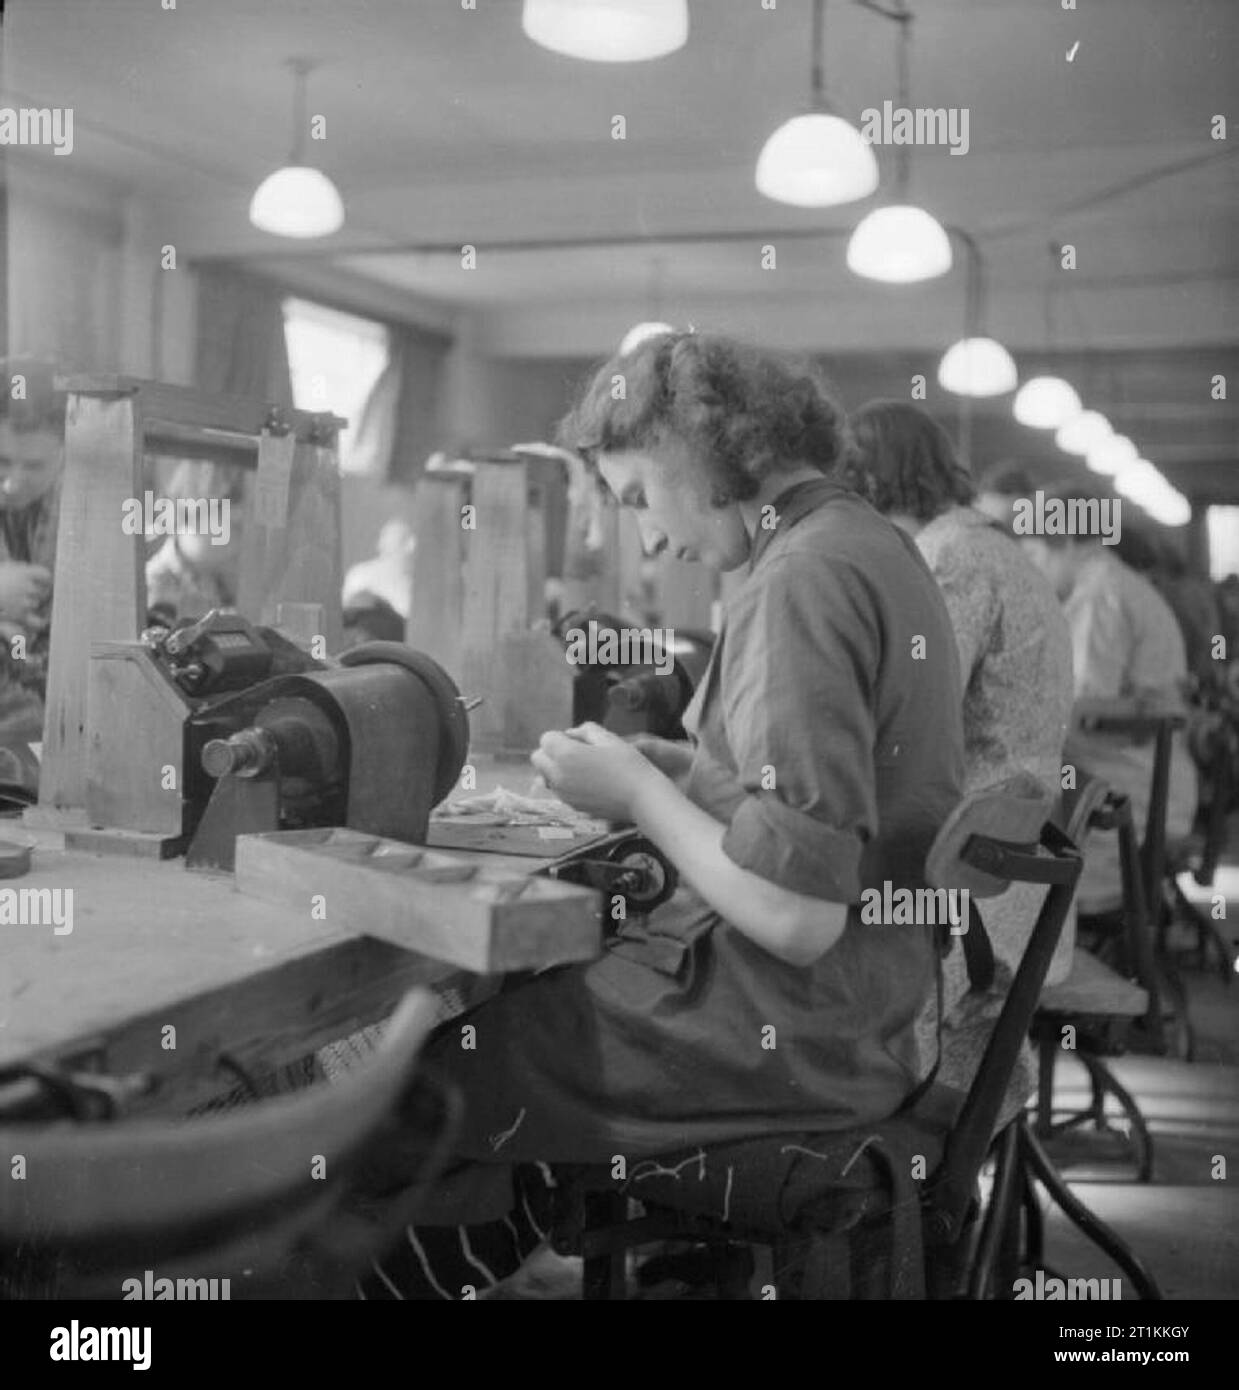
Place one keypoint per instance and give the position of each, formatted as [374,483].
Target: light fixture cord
[300,69]
[904,83]
[1051,304]
[974,310]
[974,284]
[817,42]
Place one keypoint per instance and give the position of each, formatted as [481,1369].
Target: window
[335,360]
[1222,524]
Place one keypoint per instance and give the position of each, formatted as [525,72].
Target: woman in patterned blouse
[1015,661]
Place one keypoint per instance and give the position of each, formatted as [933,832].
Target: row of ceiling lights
[815,159]
[818,159]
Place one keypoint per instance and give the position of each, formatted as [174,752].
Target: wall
[85,285]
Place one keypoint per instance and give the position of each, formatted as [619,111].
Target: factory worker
[1129,660]
[32,427]
[191,573]
[828,752]
[1015,656]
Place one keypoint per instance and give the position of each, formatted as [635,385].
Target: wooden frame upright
[290,550]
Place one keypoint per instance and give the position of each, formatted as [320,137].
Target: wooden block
[54,818]
[137,728]
[478,912]
[434,625]
[98,586]
[497,555]
[133,843]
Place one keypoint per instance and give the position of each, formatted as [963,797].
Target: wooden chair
[255,1196]
[1157,869]
[839,1210]
[1214,741]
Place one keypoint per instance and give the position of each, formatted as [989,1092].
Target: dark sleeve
[797,679]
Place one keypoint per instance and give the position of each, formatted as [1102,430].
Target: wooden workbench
[249,987]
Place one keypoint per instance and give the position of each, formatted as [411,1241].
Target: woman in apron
[827,752]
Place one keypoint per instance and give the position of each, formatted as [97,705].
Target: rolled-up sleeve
[799,665]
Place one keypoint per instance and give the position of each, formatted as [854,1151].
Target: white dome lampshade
[977,367]
[900,244]
[1045,403]
[816,161]
[1083,433]
[1141,482]
[1171,508]
[1111,455]
[607,31]
[297,201]
[638,333]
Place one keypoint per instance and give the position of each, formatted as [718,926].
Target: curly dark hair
[904,461]
[745,413]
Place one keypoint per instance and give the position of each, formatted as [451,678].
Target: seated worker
[828,753]
[998,489]
[189,574]
[1129,659]
[368,618]
[388,574]
[1015,659]
[32,426]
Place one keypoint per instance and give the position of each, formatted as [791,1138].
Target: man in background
[32,426]
[387,575]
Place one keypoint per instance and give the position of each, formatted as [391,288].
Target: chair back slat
[1078,808]
[951,1189]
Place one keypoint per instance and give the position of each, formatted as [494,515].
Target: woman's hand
[671,757]
[595,771]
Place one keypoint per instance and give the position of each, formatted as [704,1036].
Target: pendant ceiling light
[976,365]
[607,31]
[1046,402]
[1083,433]
[1141,482]
[639,332]
[818,159]
[297,200]
[900,243]
[1111,454]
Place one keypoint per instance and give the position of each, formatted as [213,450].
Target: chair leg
[604,1275]
[1047,1054]
[1104,1080]
[1035,1158]
[1003,1200]
[1034,1222]
[1208,936]
[1097,1104]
